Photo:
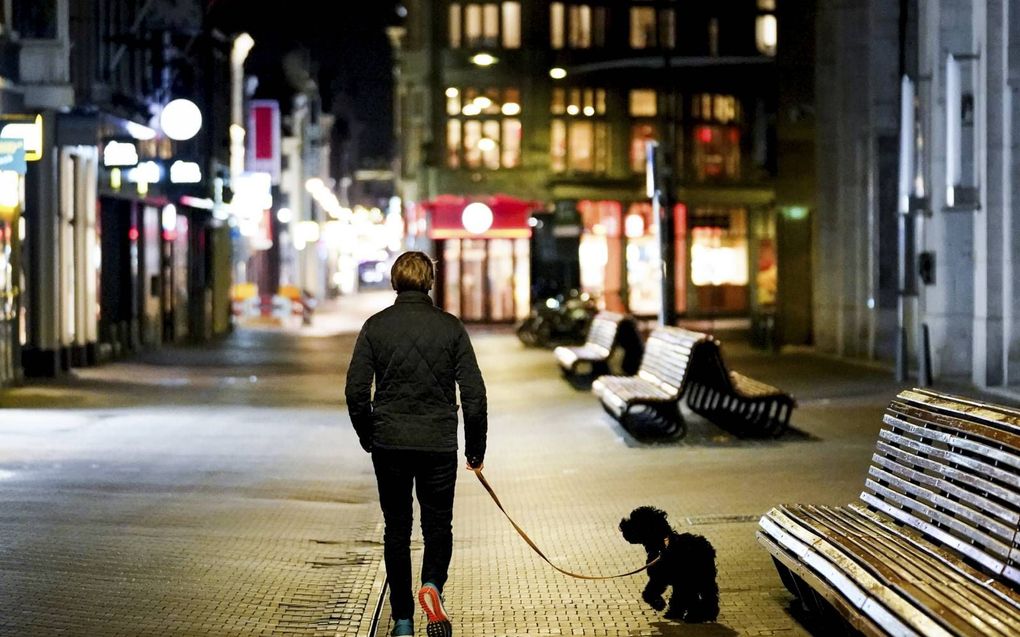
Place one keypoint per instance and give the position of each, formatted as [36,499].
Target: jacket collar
[412,296]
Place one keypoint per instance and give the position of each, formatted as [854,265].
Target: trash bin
[763,330]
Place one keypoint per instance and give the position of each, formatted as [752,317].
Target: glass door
[473,279]
[501,280]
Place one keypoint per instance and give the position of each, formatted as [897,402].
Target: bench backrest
[667,357]
[950,468]
[712,370]
[602,333]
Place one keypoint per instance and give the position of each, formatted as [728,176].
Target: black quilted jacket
[416,353]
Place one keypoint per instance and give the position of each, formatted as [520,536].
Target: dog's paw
[655,601]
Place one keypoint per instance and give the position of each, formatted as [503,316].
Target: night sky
[341,44]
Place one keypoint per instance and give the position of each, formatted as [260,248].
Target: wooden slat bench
[659,384]
[932,546]
[608,330]
[735,401]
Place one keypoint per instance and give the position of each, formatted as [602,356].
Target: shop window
[34,19]
[488,25]
[652,27]
[482,128]
[766,270]
[643,261]
[579,132]
[576,26]
[718,247]
[600,252]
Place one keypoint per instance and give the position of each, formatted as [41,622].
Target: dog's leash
[534,547]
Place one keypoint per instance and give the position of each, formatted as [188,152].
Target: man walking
[417,355]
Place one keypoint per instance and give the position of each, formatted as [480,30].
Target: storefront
[155,232]
[483,272]
[725,258]
[12,170]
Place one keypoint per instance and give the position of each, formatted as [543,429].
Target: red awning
[510,217]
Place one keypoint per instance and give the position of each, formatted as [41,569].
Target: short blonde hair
[413,271]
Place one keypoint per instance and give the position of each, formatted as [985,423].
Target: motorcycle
[558,320]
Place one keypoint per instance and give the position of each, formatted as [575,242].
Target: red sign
[263,154]
[510,217]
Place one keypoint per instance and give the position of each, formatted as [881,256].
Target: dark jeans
[433,475]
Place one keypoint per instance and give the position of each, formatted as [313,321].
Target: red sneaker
[432,603]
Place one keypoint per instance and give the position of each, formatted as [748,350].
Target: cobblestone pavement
[221,491]
[213,491]
[567,473]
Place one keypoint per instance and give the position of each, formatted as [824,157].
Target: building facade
[118,237]
[554,103]
[929,164]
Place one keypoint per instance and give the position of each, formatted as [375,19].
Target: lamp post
[665,219]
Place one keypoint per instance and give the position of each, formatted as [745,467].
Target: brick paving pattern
[567,473]
[221,491]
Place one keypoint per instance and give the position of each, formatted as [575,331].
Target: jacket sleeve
[472,398]
[358,391]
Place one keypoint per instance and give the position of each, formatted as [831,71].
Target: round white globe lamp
[477,217]
[180,119]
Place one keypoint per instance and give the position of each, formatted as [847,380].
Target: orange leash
[534,547]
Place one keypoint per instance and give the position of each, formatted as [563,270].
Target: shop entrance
[485,280]
[9,303]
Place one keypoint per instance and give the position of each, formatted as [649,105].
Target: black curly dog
[687,564]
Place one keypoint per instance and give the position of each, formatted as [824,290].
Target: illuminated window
[641,132]
[713,107]
[454,26]
[482,128]
[766,29]
[485,25]
[652,27]
[511,25]
[579,132]
[716,137]
[576,26]
[716,153]
[719,246]
[643,103]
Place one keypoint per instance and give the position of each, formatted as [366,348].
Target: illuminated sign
[185,172]
[147,172]
[120,154]
[12,156]
[264,138]
[477,217]
[27,128]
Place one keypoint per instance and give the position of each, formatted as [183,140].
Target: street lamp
[181,119]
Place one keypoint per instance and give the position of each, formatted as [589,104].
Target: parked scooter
[558,320]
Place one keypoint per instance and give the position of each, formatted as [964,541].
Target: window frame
[571,110]
[461,128]
[503,37]
[566,30]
